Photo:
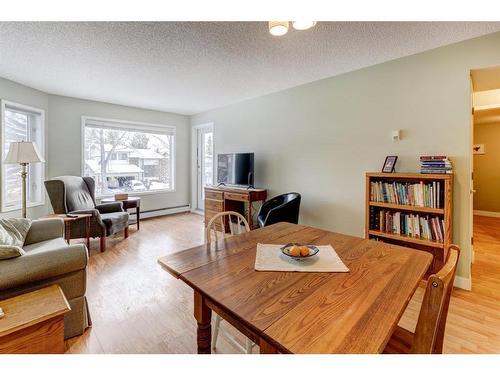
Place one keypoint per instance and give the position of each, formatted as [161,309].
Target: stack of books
[435,164]
[420,194]
[410,225]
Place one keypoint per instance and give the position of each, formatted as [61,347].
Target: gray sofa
[76,195]
[50,260]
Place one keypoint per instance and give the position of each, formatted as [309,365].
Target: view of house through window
[22,124]
[128,159]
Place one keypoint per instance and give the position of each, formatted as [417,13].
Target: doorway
[485,184]
[203,141]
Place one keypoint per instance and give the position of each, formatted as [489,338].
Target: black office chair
[284,207]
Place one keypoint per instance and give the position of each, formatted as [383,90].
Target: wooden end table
[67,223]
[130,202]
[34,322]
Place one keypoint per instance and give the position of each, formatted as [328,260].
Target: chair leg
[125,232]
[103,243]
[215,334]
[249,345]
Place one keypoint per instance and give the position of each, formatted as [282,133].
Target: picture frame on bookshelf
[390,164]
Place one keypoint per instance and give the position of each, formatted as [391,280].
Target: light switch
[396,135]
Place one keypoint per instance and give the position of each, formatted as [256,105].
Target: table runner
[270,258]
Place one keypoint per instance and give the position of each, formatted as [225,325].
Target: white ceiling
[190,67]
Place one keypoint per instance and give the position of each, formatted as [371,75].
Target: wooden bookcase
[443,212]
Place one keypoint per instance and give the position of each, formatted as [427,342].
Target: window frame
[138,126]
[41,148]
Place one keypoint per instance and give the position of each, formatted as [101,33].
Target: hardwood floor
[137,307]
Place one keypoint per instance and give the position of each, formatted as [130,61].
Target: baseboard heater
[162,211]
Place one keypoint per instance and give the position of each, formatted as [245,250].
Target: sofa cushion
[8,252]
[54,243]
[13,231]
[115,222]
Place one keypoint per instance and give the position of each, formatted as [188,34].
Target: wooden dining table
[301,312]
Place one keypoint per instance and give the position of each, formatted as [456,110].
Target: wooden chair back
[429,333]
[222,221]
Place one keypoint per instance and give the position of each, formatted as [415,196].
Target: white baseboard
[166,211]
[463,283]
[487,213]
[198,212]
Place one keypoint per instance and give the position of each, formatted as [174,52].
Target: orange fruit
[304,251]
[294,251]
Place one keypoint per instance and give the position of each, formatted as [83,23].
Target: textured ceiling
[190,67]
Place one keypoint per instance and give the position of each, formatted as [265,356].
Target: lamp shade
[23,152]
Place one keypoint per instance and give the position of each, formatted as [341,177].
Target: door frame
[471,176]
[194,167]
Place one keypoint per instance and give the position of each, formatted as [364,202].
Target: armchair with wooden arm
[76,195]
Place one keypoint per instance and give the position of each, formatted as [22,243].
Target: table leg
[87,232]
[68,231]
[250,216]
[266,348]
[138,214]
[203,316]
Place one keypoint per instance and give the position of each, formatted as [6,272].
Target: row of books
[436,164]
[418,194]
[410,225]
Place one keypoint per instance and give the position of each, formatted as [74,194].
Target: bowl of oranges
[298,251]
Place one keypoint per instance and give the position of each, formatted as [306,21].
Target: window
[123,156]
[21,123]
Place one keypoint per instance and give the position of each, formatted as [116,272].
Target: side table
[34,322]
[67,223]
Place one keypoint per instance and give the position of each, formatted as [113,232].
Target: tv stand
[224,198]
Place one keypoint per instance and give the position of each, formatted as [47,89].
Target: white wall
[63,139]
[319,139]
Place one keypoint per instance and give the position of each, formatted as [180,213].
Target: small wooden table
[130,202]
[34,322]
[67,223]
[298,312]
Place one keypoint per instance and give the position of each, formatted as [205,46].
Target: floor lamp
[23,153]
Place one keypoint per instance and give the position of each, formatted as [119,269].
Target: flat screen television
[235,169]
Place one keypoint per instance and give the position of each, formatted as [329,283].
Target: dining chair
[429,333]
[237,224]
[282,208]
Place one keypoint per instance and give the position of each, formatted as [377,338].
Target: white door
[204,161]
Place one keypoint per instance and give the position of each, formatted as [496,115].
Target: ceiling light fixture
[303,25]
[278,28]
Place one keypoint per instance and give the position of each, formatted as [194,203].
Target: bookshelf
[412,210]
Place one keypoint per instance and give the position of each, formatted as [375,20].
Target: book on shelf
[433,157]
[424,227]
[422,194]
